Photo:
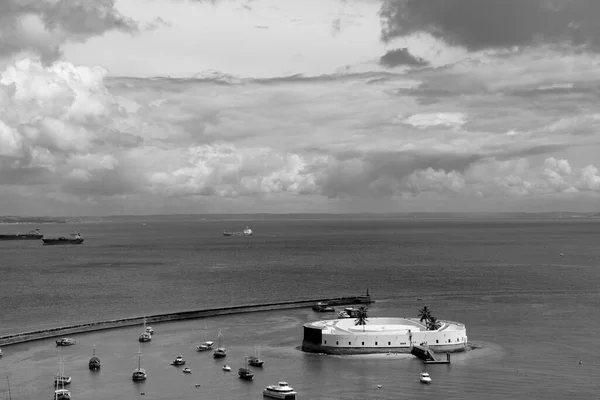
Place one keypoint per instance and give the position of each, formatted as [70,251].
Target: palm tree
[433,324]
[361,317]
[424,314]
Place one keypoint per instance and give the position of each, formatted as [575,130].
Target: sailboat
[245,373]
[207,344]
[61,378]
[220,352]
[146,336]
[255,360]
[94,363]
[139,374]
[60,393]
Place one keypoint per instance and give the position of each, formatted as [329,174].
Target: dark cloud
[76,20]
[396,57]
[480,24]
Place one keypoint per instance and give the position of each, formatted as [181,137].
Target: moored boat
[226,368]
[179,360]
[31,235]
[74,238]
[187,370]
[65,342]
[220,352]
[280,391]
[245,373]
[146,336]
[94,363]
[424,377]
[62,394]
[139,374]
[204,346]
[255,360]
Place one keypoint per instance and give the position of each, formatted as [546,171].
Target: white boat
[280,391]
[425,378]
[179,360]
[139,374]
[187,370]
[248,231]
[208,345]
[226,368]
[150,330]
[145,336]
[343,314]
[220,352]
[62,380]
[60,393]
[65,342]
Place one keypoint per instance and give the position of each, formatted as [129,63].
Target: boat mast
[8,385]
[139,359]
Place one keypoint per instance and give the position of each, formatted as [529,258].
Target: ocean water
[526,289]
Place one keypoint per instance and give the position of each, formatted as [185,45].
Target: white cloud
[426,120]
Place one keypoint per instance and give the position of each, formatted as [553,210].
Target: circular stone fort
[381,335]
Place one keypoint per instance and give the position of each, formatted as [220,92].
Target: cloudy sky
[217,106]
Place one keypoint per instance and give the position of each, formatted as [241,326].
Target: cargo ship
[31,235]
[75,238]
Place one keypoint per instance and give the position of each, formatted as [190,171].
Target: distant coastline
[33,220]
[299,216]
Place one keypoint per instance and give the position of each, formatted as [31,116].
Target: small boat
[245,373]
[145,336]
[31,235]
[280,391]
[94,363]
[62,394]
[226,368]
[204,346]
[139,374]
[62,380]
[322,307]
[179,360]
[425,378]
[65,342]
[255,360]
[220,352]
[343,314]
[187,370]
[74,238]
[150,330]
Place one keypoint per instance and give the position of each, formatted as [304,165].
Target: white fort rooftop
[343,336]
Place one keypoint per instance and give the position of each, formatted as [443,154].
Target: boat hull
[278,395]
[55,242]
[21,237]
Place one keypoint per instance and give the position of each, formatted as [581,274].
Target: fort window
[349,343]
[363,343]
[337,343]
[389,343]
[326,342]
[375,343]
[437,341]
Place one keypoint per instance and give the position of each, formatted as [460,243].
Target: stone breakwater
[177,316]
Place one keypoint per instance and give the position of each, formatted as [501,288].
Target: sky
[114,107]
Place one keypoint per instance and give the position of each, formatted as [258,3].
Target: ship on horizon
[75,238]
[31,235]
[245,232]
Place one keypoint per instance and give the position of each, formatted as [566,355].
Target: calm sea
[526,289]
